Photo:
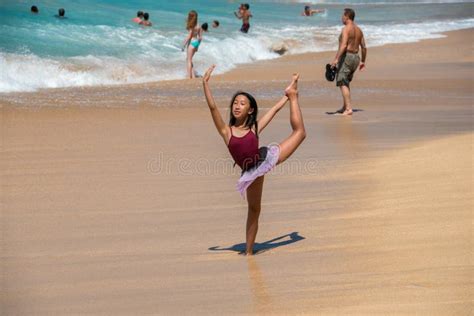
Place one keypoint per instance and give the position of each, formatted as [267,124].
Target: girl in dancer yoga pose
[241,138]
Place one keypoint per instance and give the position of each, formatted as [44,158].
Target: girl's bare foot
[292,89]
[347,112]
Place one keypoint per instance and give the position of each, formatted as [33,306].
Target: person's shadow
[265,246]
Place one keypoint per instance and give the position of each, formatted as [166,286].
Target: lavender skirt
[264,166]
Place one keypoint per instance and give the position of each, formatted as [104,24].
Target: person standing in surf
[244,15]
[192,41]
[145,21]
[241,138]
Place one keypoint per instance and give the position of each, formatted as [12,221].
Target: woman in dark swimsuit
[241,138]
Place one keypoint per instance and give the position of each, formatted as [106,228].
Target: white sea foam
[362,2]
[157,56]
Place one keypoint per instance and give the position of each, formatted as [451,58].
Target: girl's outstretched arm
[221,127]
[263,122]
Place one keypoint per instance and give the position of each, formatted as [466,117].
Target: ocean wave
[157,56]
[375,2]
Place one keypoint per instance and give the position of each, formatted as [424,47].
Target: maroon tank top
[244,149]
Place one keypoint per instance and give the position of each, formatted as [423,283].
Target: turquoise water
[98,44]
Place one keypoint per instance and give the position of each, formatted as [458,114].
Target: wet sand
[122,200]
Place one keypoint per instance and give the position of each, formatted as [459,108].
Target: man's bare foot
[245,253]
[293,87]
[347,112]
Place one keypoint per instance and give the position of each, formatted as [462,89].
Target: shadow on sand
[340,113]
[265,246]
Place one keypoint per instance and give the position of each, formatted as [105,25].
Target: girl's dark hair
[252,118]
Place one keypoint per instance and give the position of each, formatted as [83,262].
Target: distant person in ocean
[61,14]
[347,58]
[145,21]
[192,41]
[205,27]
[215,24]
[244,14]
[139,17]
[34,9]
[309,12]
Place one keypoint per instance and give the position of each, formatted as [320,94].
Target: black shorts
[245,28]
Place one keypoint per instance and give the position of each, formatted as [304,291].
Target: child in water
[241,138]
[244,15]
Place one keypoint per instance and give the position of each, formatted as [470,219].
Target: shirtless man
[244,15]
[347,58]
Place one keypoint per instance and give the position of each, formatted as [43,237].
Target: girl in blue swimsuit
[192,41]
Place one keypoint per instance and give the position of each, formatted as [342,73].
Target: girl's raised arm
[277,107]
[221,127]
[267,117]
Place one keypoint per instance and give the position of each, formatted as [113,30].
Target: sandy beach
[121,200]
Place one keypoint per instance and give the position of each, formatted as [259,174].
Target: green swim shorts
[348,64]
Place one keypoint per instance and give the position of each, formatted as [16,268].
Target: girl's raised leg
[289,145]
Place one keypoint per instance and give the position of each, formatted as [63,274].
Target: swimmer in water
[139,17]
[61,14]
[145,21]
[309,12]
[244,15]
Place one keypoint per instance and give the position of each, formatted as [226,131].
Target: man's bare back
[355,38]
[350,39]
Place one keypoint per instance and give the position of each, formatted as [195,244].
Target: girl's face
[241,107]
